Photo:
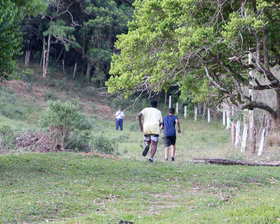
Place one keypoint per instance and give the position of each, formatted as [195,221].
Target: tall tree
[189,41]
[11,14]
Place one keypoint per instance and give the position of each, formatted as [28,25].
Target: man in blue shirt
[169,132]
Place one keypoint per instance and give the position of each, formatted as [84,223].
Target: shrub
[63,119]
[79,141]
[104,144]
[7,137]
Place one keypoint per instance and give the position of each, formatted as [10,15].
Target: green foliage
[50,97]
[63,114]
[7,137]
[103,143]
[68,127]
[11,15]
[10,38]
[201,48]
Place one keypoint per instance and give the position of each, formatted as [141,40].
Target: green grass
[71,188]
[68,188]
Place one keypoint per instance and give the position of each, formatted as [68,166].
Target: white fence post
[195,113]
[177,108]
[228,113]
[185,111]
[237,133]
[170,105]
[224,117]
[261,143]
[244,137]
[208,115]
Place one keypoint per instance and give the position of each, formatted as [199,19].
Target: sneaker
[166,159]
[172,159]
[151,160]
[145,151]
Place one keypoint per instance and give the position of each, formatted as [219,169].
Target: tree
[185,42]
[57,28]
[11,14]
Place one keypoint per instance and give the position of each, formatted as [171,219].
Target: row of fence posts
[237,139]
[241,140]
[185,110]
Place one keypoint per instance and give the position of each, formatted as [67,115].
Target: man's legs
[173,148]
[166,153]
[121,124]
[117,124]
[153,149]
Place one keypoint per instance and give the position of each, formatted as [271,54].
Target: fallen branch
[234,162]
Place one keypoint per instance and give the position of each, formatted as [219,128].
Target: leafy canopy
[11,15]
[197,45]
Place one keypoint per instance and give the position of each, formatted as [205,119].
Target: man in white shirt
[119,119]
[151,128]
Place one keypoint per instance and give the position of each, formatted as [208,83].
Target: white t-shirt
[152,119]
[119,115]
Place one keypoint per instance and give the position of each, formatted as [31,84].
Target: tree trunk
[46,57]
[89,67]
[252,132]
[204,111]
[27,57]
[276,119]
[232,128]
[63,66]
[75,69]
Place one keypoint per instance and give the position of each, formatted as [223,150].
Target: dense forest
[68,34]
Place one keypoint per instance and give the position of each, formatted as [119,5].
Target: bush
[7,137]
[64,120]
[104,144]
[79,141]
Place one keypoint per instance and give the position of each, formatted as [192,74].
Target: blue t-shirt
[168,123]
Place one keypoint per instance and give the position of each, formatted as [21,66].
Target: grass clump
[7,137]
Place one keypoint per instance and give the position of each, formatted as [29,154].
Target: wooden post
[237,133]
[244,137]
[224,117]
[208,115]
[185,111]
[75,68]
[170,104]
[262,142]
[177,108]
[195,113]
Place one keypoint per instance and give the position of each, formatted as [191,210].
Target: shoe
[172,159]
[145,151]
[166,159]
[151,160]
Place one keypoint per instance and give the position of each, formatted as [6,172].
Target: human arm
[140,121]
[178,125]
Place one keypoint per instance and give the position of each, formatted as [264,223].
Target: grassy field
[79,188]
[75,188]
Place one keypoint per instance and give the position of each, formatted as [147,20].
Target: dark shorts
[169,140]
